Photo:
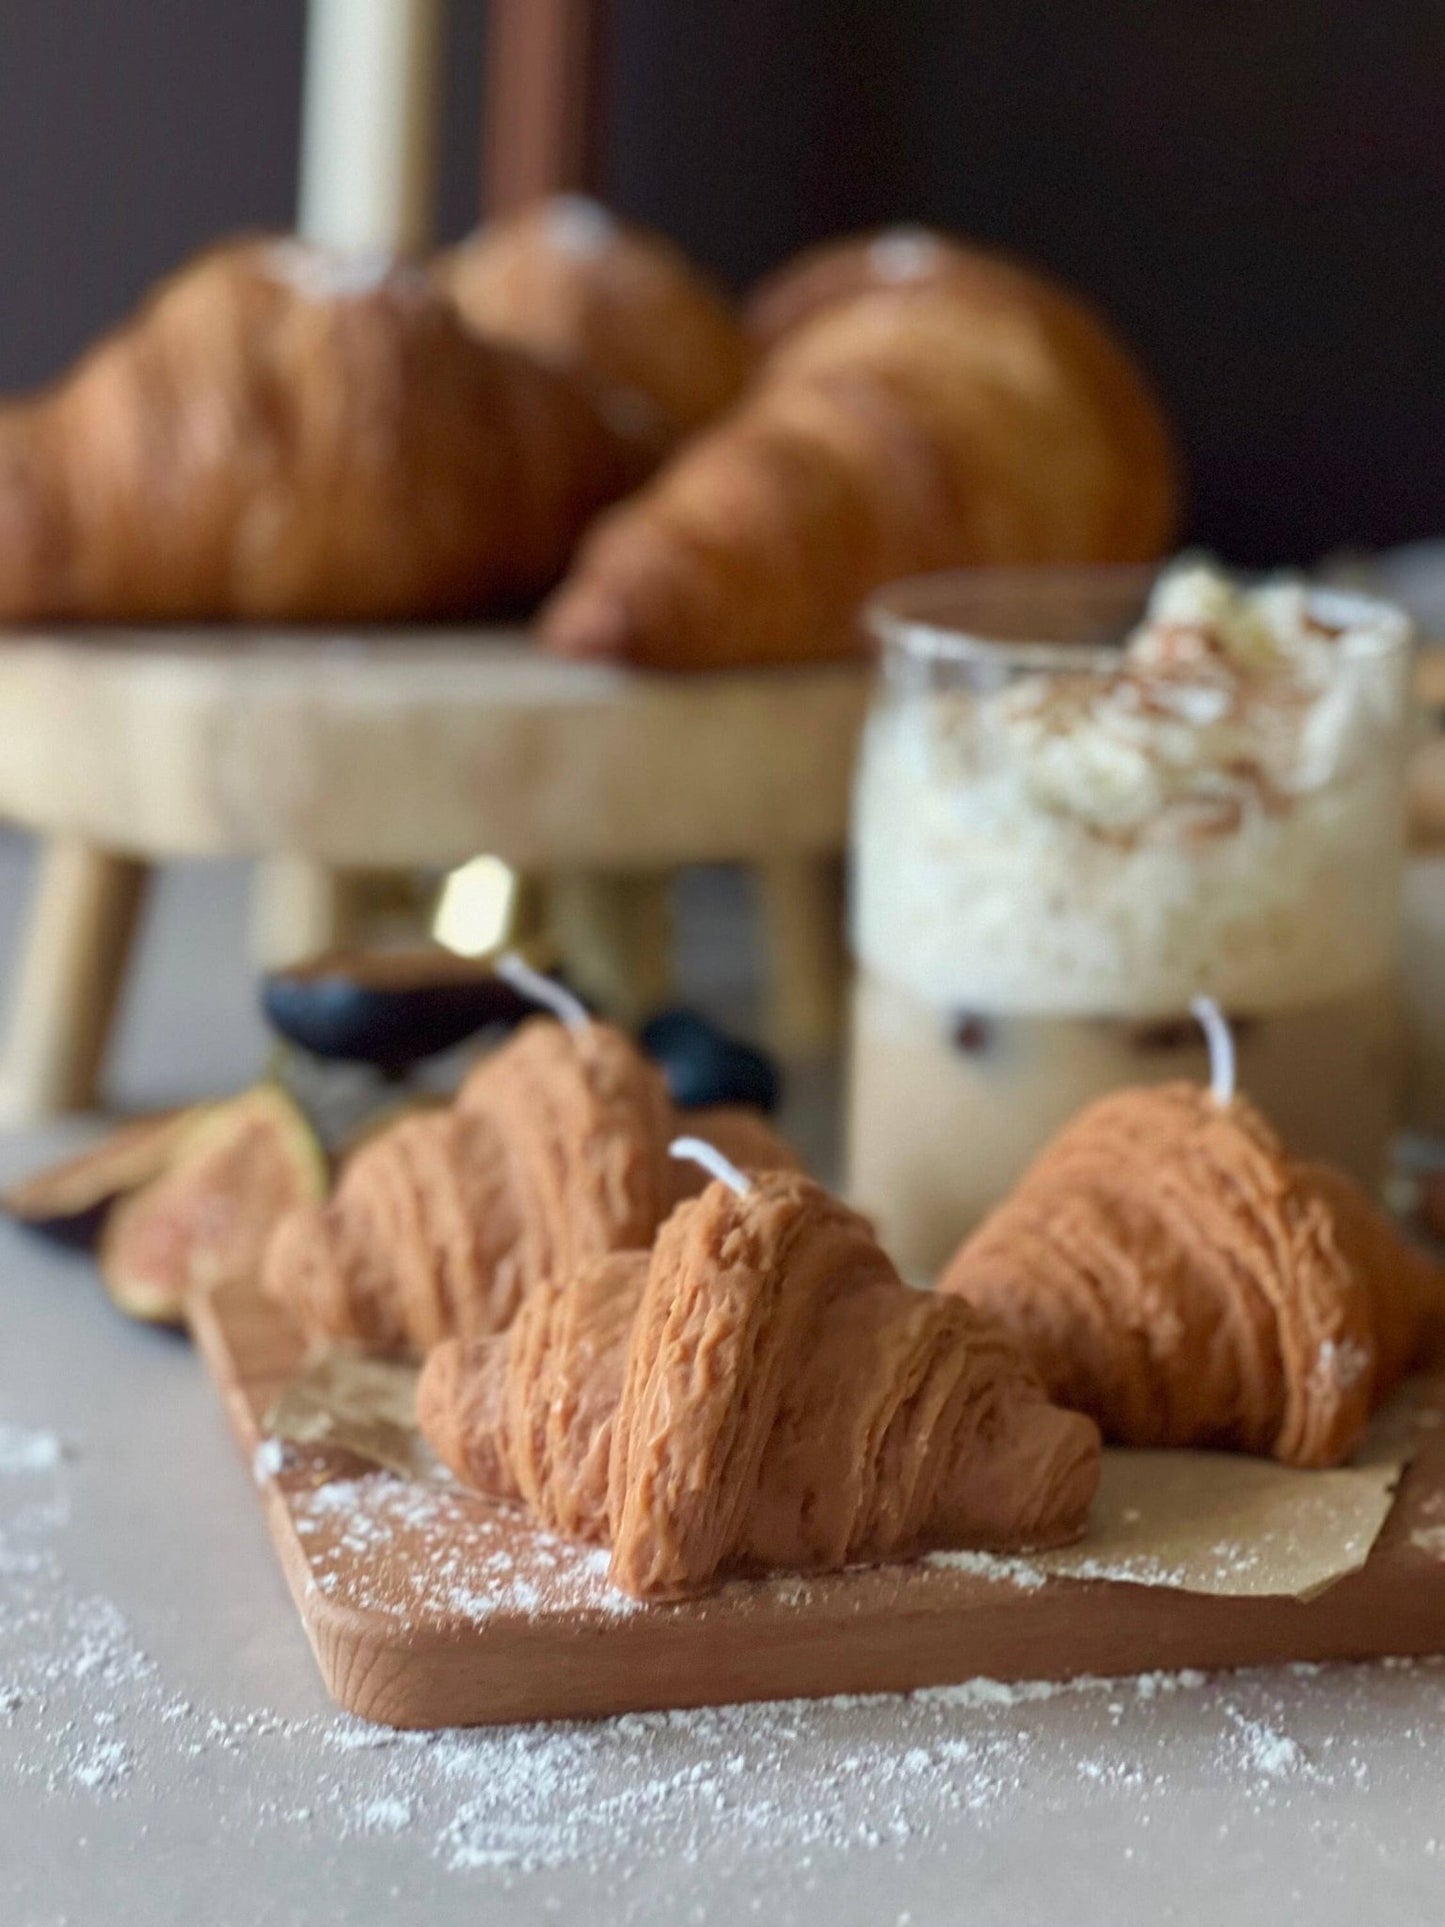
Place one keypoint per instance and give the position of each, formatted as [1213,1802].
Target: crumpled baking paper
[1205,1522]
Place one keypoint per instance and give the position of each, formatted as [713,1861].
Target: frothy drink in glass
[1059,843]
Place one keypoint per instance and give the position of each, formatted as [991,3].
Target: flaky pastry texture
[554,1153]
[285,434]
[1167,1267]
[760,1392]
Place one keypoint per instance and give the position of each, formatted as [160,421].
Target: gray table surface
[167,1754]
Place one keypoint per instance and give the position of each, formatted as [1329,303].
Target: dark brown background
[1254,188]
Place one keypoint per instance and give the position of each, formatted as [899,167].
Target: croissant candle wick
[698,1151]
[543,990]
[1220,1039]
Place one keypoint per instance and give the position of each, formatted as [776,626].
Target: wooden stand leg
[802,905]
[614,933]
[298,910]
[77,946]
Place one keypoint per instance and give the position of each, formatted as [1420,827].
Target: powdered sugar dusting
[1342,1365]
[991,1565]
[86,1714]
[403,1548]
[903,254]
[1266,1749]
[88,1717]
[579,226]
[330,274]
[23,1451]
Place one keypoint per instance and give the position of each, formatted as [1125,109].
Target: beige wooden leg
[299,909]
[802,906]
[77,945]
[614,933]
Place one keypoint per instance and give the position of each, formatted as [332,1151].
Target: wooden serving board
[426,1606]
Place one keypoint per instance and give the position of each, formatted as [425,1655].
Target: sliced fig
[69,1200]
[205,1220]
[387,1008]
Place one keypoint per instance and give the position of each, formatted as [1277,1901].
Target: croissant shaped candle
[284,433]
[554,1153]
[761,1391]
[1167,1267]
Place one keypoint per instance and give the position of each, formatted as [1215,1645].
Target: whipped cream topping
[1212,810]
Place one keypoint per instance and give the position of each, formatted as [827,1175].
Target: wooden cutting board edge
[888,1629]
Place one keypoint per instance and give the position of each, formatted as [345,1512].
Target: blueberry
[703,1065]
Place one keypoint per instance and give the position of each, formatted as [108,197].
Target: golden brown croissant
[1168,1268]
[282,433]
[554,1153]
[566,279]
[762,1391]
[973,421]
[918,257]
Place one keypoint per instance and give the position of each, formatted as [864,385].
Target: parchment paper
[1207,1522]
[357,1404]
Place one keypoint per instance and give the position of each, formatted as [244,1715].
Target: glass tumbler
[1061,838]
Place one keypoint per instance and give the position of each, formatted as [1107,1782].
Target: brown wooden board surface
[429,1607]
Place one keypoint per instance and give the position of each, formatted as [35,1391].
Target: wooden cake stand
[328,752]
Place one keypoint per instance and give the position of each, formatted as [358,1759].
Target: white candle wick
[543,990]
[1220,1039]
[698,1151]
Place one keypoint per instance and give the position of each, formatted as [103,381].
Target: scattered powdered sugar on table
[24,1451]
[1267,1750]
[87,1716]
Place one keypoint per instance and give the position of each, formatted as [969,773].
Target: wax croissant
[282,433]
[554,1153]
[970,421]
[565,278]
[761,1391]
[1167,1267]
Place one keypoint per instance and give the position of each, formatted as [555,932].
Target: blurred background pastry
[970,417]
[288,433]
[569,280]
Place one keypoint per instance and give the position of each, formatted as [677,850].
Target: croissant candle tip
[698,1151]
[1220,1039]
[543,990]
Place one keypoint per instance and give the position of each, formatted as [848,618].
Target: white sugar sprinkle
[24,1451]
[87,1716]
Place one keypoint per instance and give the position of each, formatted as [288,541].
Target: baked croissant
[978,420]
[761,1391]
[1168,1268]
[566,279]
[907,257]
[281,433]
[554,1153]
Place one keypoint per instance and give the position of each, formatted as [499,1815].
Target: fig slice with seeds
[206,1219]
[69,1200]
